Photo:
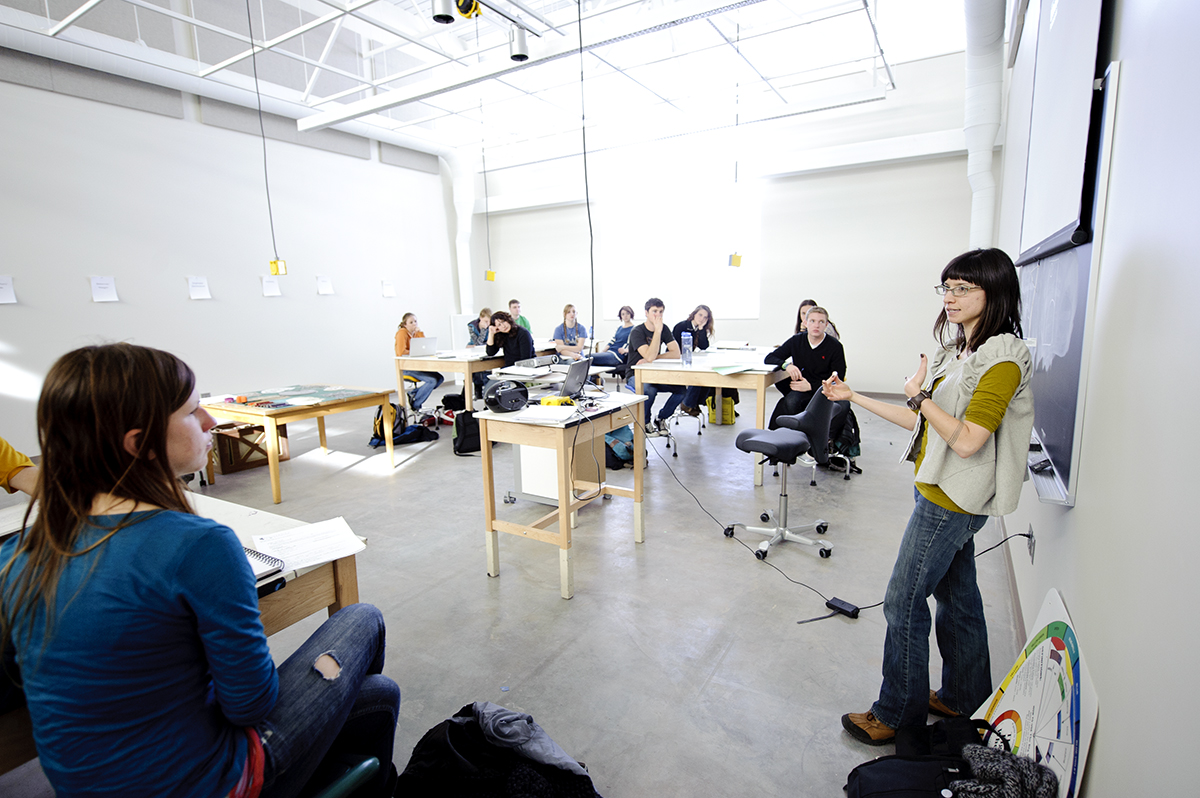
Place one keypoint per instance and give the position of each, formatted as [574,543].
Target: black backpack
[927,759]
[466,433]
[399,422]
[402,432]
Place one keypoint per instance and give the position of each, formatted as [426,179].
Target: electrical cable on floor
[261,127]
[722,526]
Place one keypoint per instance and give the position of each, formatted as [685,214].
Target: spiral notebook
[264,565]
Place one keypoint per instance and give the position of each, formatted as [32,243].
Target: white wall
[865,239]
[1125,556]
[93,189]
[868,243]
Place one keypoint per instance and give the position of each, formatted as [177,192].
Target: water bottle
[685,349]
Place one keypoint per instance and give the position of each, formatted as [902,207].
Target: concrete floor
[678,668]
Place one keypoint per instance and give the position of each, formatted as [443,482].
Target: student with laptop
[426,380]
[477,332]
[649,341]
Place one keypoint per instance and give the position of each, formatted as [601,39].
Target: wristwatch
[914,402]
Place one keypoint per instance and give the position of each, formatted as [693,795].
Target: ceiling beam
[74,16]
[654,22]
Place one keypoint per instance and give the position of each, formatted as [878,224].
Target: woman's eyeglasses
[958,290]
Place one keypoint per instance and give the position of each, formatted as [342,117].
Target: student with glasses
[971,414]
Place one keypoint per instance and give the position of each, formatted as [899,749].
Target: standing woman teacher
[971,413]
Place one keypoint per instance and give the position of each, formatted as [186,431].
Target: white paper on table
[389,288]
[271,286]
[311,544]
[198,288]
[324,286]
[8,295]
[104,289]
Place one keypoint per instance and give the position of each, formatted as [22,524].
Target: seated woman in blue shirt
[616,351]
[570,338]
[134,625]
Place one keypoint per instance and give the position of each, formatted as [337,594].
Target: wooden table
[467,362]
[326,587]
[270,418]
[568,438]
[701,373]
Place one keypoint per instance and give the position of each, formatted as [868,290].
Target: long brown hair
[90,400]
[709,326]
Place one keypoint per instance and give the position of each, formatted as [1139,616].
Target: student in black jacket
[516,341]
[700,324]
[814,356]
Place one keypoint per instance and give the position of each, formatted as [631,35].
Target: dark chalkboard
[1054,303]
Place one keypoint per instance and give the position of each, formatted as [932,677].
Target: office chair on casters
[814,423]
[783,446]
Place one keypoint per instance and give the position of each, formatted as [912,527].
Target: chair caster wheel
[825,553]
[765,517]
[728,531]
[760,554]
[606,497]
[821,530]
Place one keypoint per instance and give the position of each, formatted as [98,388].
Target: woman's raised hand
[914,384]
[835,390]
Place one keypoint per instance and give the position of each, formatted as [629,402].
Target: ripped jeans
[318,719]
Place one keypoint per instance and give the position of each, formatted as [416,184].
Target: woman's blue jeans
[937,557]
[317,717]
[426,382]
[651,392]
[609,358]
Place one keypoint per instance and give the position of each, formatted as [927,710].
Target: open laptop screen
[576,377]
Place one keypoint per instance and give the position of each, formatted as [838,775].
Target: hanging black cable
[587,197]
[261,127]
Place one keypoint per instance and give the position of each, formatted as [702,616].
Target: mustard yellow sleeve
[11,461]
[992,395]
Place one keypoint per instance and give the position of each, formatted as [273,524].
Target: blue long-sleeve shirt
[155,661]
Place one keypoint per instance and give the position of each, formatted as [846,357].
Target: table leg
[717,407]
[639,462]
[760,421]
[489,501]
[389,418]
[321,433]
[345,584]
[272,430]
[565,570]
[469,386]
[400,386]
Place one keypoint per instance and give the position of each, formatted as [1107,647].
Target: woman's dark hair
[90,400]
[623,309]
[804,303]
[993,271]
[709,327]
[501,315]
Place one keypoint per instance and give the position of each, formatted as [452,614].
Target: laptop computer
[572,385]
[422,347]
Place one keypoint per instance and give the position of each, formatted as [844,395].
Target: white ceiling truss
[642,69]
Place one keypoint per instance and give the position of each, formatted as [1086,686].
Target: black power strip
[844,607]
